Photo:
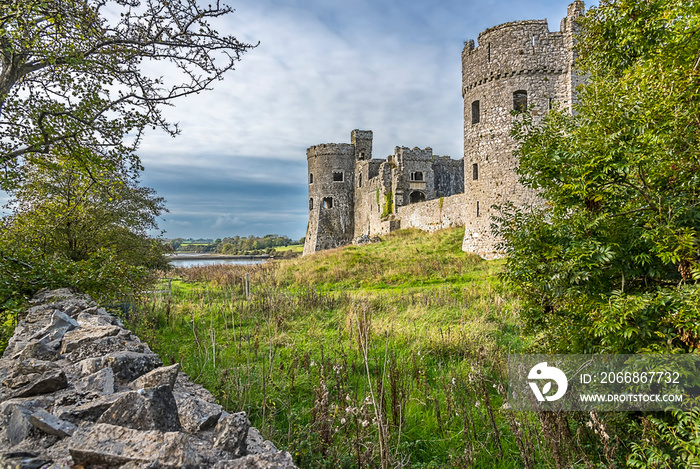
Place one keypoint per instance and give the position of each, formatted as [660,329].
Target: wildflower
[342,421]
[365,423]
[505,406]
[454,381]
[477,404]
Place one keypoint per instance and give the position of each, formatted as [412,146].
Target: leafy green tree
[609,263]
[72,75]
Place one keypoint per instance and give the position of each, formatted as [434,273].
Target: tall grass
[387,355]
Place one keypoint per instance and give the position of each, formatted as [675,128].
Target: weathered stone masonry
[79,390]
[519,66]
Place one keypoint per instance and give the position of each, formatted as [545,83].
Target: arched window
[327,202]
[311,178]
[362,155]
[520,101]
[417,176]
[311,204]
[476,117]
[416,196]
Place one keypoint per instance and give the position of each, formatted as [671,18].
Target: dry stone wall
[77,389]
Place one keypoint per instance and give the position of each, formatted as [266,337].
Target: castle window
[477,208]
[551,103]
[475,171]
[520,101]
[337,176]
[488,52]
[327,202]
[362,155]
[311,178]
[475,112]
[311,204]
[417,176]
[416,196]
[359,180]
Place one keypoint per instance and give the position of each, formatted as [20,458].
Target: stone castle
[519,66]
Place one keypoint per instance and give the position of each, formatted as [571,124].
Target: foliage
[610,262]
[388,208]
[72,75]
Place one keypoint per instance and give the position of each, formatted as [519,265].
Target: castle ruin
[519,66]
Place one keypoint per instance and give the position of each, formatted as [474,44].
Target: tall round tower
[521,67]
[331,196]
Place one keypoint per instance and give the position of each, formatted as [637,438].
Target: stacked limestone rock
[78,390]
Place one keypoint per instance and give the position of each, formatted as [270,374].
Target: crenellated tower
[518,67]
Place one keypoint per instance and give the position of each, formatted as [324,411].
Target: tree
[610,263]
[72,75]
[67,211]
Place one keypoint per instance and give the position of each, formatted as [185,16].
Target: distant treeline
[234,245]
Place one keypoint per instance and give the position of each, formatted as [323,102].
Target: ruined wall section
[370,196]
[413,175]
[513,63]
[449,176]
[433,215]
[331,196]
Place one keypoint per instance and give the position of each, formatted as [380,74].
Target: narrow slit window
[311,178]
[476,115]
[475,171]
[311,204]
[327,202]
[359,180]
[477,208]
[337,176]
[488,52]
[520,101]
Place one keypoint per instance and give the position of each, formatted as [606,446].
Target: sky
[322,69]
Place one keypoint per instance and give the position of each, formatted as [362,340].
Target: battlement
[330,149]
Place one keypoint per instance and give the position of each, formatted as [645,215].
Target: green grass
[394,352]
[291,247]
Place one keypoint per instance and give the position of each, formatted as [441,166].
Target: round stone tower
[331,196]
[517,67]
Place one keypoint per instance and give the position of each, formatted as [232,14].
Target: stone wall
[79,390]
[433,215]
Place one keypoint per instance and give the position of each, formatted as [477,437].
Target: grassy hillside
[389,354]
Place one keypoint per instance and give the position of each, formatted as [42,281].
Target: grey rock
[196,414]
[256,444]
[32,384]
[279,460]
[90,411]
[22,460]
[44,349]
[145,409]
[126,365]
[77,337]
[50,424]
[18,427]
[101,382]
[111,445]
[163,376]
[231,432]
